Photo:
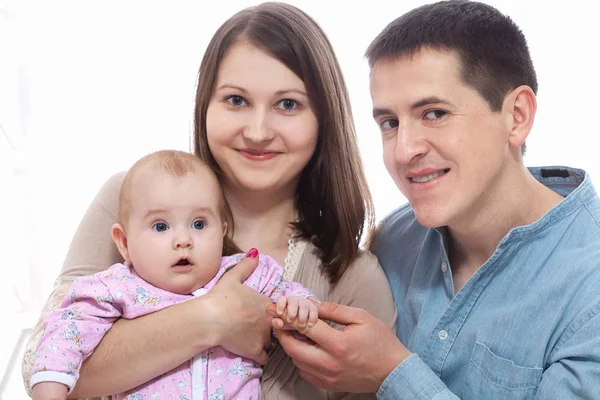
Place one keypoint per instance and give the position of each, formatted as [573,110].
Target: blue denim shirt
[525,326]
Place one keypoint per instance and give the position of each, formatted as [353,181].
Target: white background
[87,87]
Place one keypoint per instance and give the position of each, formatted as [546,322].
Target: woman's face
[261,128]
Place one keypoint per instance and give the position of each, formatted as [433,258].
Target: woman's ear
[521,105]
[120,239]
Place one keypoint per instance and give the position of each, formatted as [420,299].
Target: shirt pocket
[492,377]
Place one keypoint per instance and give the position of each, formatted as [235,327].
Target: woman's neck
[262,220]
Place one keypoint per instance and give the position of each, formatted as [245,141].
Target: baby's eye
[160,227]
[198,224]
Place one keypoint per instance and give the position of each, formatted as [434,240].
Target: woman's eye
[288,104]
[198,224]
[389,124]
[236,101]
[435,114]
[160,227]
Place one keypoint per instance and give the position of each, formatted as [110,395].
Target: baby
[171,230]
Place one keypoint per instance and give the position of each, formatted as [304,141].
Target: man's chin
[430,218]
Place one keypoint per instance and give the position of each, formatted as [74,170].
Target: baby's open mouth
[183,261]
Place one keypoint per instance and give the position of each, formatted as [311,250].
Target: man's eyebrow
[381,111]
[429,100]
[418,104]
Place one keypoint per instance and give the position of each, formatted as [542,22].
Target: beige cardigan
[364,285]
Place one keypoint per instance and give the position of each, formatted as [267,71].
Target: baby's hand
[49,391]
[299,313]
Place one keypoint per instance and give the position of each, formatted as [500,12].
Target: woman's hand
[240,320]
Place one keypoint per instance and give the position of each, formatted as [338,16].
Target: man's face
[442,144]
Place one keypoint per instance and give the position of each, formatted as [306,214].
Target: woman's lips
[258,155]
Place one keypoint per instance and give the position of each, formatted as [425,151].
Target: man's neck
[520,200]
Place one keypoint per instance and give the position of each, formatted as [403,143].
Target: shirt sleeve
[413,379]
[273,284]
[267,279]
[73,331]
[574,370]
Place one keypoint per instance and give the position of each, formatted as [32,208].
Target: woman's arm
[155,343]
[135,351]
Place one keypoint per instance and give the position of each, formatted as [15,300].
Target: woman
[273,120]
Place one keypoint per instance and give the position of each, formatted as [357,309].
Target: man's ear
[120,239]
[521,105]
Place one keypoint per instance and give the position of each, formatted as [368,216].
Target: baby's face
[174,230]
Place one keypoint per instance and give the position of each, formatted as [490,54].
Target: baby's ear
[120,239]
[224,229]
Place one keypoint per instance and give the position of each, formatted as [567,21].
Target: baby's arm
[291,298]
[299,309]
[71,333]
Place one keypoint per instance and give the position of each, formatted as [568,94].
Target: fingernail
[314,301]
[253,253]
[298,335]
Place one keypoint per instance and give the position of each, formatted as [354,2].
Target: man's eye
[389,124]
[236,101]
[160,227]
[435,114]
[198,224]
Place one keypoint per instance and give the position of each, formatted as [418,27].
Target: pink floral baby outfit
[73,331]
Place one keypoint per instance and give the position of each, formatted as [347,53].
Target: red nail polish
[253,253]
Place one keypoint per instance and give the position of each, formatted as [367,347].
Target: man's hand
[239,316]
[356,359]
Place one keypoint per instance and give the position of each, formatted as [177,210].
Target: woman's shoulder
[365,262]
[108,195]
[113,184]
[364,266]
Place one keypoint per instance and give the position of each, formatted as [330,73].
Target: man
[495,269]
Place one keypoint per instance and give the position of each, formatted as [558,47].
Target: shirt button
[444,267]
[443,334]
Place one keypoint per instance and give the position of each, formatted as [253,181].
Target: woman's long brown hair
[333,200]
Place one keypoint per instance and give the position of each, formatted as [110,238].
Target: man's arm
[574,370]
[136,351]
[365,356]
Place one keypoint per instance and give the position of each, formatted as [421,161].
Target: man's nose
[411,143]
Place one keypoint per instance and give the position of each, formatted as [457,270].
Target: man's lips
[425,176]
